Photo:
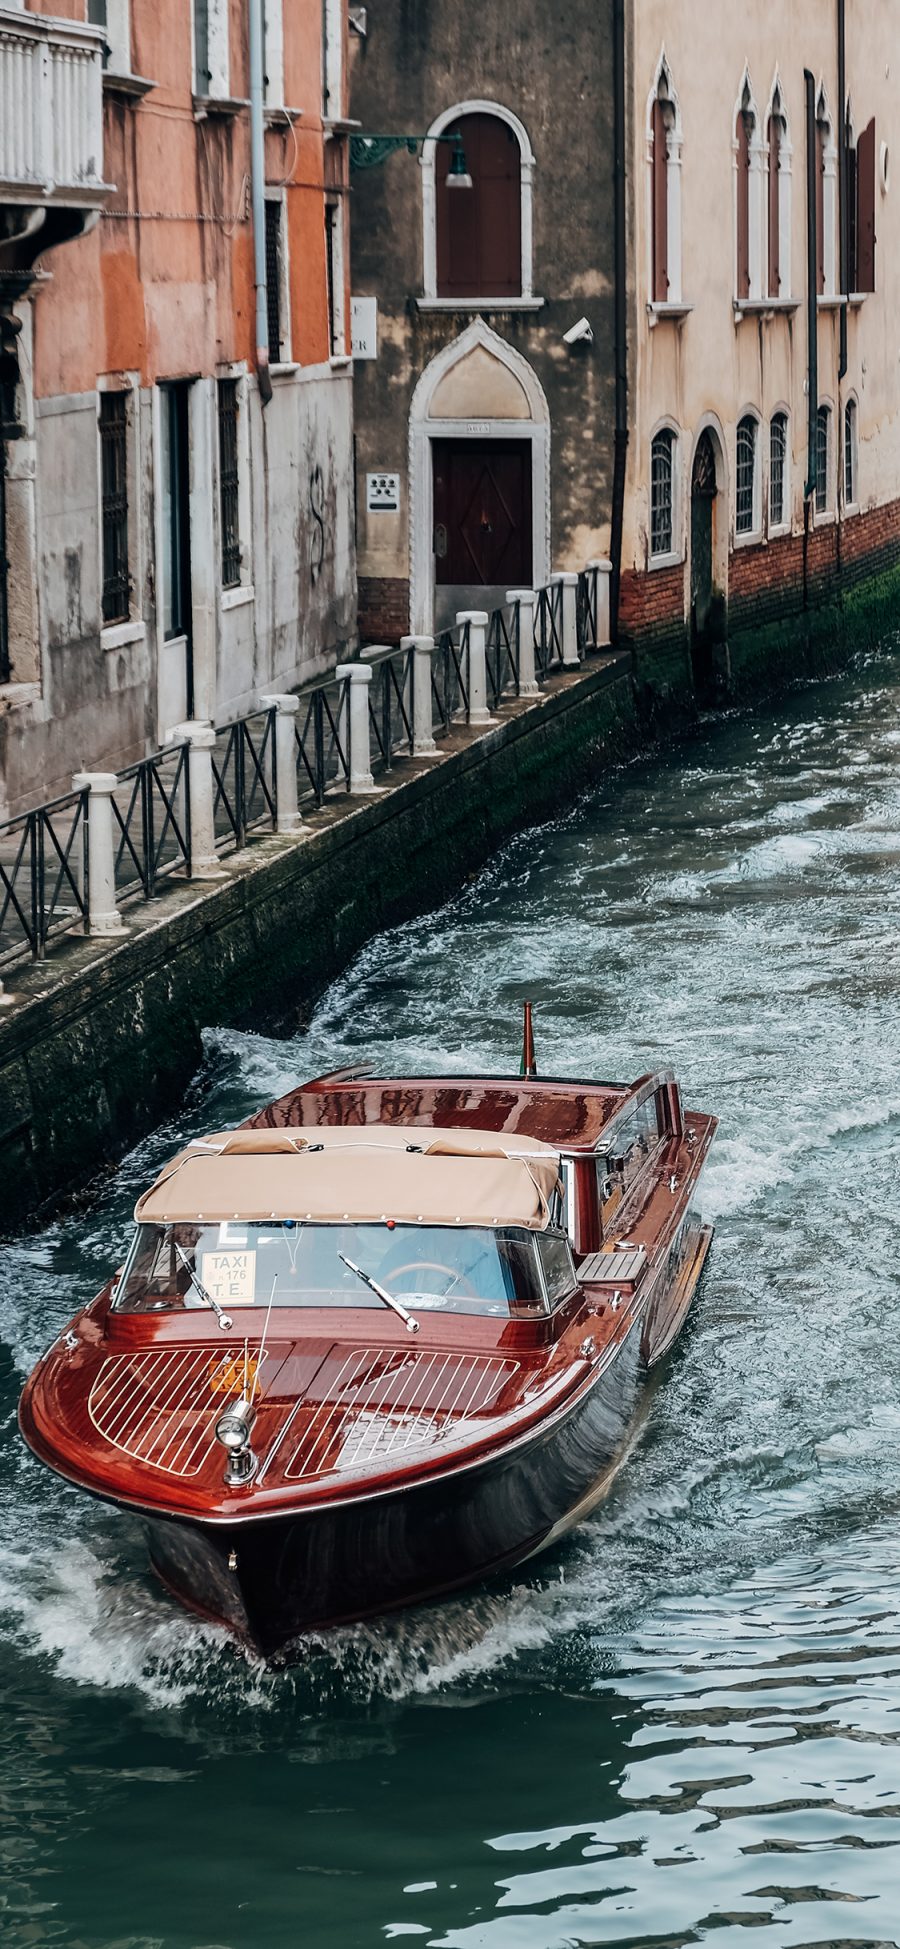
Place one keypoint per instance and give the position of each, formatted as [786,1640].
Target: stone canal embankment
[98,1042]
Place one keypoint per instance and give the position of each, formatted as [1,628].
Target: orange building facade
[174,543]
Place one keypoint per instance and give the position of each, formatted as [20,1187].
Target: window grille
[777,470]
[331,268]
[273,277]
[661,521]
[4,569]
[114,498]
[745,476]
[850,453]
[823,418]
[228,483]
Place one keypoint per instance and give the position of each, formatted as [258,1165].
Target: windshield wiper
[225,1323]
[411,1325]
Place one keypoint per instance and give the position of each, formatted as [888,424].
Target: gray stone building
[484,421]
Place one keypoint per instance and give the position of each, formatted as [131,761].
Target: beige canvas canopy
[362,1173]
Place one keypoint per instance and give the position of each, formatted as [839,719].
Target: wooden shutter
[479,231]
[660,213]
[743,207]
[774,145]
[865,206]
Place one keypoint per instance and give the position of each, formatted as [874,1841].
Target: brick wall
[383,609]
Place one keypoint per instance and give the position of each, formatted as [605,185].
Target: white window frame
[776,106]
[219,67]
[118,36]
[114,636]
[850,507]
[244,590]
[278,194]
[428,165]
[825,119]
[274,69]
[674,145]
[337,351]
[674,555]
[745,104]
[746,537]
[783,527]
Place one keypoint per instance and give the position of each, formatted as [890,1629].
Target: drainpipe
[620,449]
[258,199]
[844,213]
[812,317]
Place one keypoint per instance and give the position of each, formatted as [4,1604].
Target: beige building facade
[763,221]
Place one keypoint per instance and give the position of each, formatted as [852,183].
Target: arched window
[748,197]
[662,497]
[826,199]
[479,230]
[664,152]
[851,491]
[778,471]
[823,459]
[746,498]
[778,155]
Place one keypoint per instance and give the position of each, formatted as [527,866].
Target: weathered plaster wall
[552,68]
[102,1041]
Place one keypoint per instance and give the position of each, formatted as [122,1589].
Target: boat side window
[558,1266]
[631,1142]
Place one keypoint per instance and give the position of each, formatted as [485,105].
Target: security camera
[581,332]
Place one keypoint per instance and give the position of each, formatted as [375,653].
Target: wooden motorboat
[383,1340]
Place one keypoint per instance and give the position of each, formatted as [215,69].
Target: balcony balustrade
[51,111]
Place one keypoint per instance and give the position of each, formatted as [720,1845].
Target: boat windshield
[432,1268]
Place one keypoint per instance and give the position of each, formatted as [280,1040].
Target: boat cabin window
[630,1144]
[433,1268]
[558,1266]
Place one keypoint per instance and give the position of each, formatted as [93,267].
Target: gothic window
[823,458]
[745,498]
[479,229]
[662,472]
[851,491]
[748,198]
[664,134]
[826,200]
[778,455]
[860,269]
[779,200]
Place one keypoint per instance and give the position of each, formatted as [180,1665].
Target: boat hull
[273,1579]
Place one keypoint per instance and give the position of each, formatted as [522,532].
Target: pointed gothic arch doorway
[708,527]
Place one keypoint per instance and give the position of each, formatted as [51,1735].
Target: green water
[684,1725]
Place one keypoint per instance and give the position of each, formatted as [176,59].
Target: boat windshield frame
[525,1271]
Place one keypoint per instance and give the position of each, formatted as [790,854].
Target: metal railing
[322,741]
[390,706]
[152,822]
[71,863]
[43,876]
[245,779]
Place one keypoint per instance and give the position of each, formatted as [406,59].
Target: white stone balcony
[51,111]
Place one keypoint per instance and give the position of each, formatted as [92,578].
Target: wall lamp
[367,151]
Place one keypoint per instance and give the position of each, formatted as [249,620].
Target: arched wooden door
[704,489]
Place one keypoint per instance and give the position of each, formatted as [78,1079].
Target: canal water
[684,1725]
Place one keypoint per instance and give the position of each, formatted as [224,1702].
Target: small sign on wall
[382,493]
[364,328]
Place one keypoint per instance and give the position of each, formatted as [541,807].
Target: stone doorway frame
[423,430]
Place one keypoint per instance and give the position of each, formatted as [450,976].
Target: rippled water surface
[684,1726]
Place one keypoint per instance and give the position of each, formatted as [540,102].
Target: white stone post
[102,916]
[358,678]
[477,620]
[200,738]
[601,570]
[287,808]
[525,600]
[568,584]
[421,649]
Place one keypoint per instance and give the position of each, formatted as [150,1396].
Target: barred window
[745,476]
[228,483]
[778,470]
[661,472]
[850,453]
[114,504]
[823,442]
[273,277]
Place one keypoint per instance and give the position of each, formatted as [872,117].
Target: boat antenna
[262,1345]
[528,1065]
